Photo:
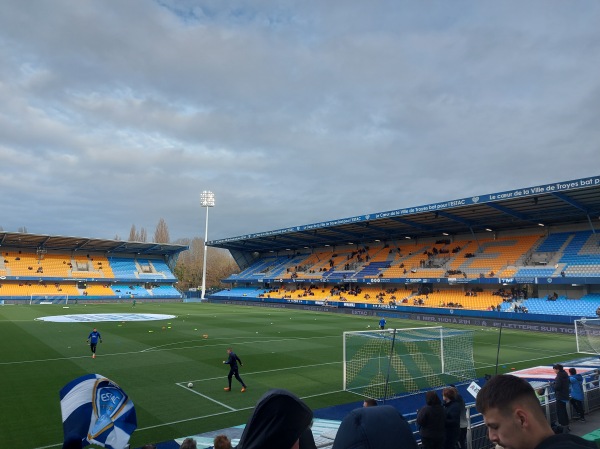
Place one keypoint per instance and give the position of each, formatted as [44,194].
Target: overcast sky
[115,113]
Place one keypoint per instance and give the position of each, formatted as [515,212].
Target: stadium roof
[58,243]
[560,203]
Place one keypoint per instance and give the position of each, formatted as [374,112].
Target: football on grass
[190,385]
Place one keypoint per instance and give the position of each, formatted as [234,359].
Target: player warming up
[232,361]
[93,339]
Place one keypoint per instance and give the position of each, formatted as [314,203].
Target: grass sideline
[281,348]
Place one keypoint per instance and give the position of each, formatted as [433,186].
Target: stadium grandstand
[529,254]
[42,268]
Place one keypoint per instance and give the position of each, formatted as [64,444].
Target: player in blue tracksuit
[93,339]
[382,323]
[232,361]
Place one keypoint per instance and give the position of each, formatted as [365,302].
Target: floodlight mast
[207,199]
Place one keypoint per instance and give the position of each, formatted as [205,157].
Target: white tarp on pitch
[97,317]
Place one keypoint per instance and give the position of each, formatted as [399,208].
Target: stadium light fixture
[541,224]
[407,237]
[488,229]
[207,199]
[445,233]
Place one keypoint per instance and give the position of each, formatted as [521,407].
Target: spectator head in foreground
[381,427]
[222,442]
[278,421]
[514,417]
[188,443]
[368,402]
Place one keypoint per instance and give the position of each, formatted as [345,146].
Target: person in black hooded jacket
[278,421]
[431,420]
[561,393]
[381,427]
[452,407]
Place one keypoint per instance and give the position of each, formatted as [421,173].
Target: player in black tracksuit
[232,361]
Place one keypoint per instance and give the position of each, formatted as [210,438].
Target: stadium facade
[532,253]
[56,269]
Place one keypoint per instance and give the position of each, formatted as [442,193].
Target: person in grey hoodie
[381,427]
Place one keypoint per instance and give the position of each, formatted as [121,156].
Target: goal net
[45,298]
[384,364]
[587,334]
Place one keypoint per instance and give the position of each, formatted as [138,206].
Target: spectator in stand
[278,421]
[222,442]
[431,421]
[381,427]
[462,436]
[515,420]
[577,393]
[452,428]
[188,443]
[561,392]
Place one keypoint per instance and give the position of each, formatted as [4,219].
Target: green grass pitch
[281,348]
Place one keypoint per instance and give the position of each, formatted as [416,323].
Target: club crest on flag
[95,410]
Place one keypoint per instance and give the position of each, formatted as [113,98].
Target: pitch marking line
[141,351]
[225,413]
[195,418]
[231,342]
[207,397]
[269,371]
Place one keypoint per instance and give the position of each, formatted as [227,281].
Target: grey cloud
[292,113]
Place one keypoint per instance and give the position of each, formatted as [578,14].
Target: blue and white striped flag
[96,410]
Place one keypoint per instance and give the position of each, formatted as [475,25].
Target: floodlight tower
[207,199]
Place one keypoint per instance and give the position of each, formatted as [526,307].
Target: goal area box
[385,364]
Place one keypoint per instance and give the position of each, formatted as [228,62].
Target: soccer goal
[587,335]
[383,364]
[45,298]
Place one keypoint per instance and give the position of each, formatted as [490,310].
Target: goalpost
[384,364]
[48,298]
[587,335]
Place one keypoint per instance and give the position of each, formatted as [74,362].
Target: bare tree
[22,229]
[133,235]
[143,235]
[219,265]
[117,237]
[161,234]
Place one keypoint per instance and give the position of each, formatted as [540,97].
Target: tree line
[188,270]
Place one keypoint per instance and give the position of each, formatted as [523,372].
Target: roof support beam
[510,212]
[571,201]
[420,226]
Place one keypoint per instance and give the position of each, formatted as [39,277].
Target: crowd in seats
[493,256]
[512,294]
[44,273]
